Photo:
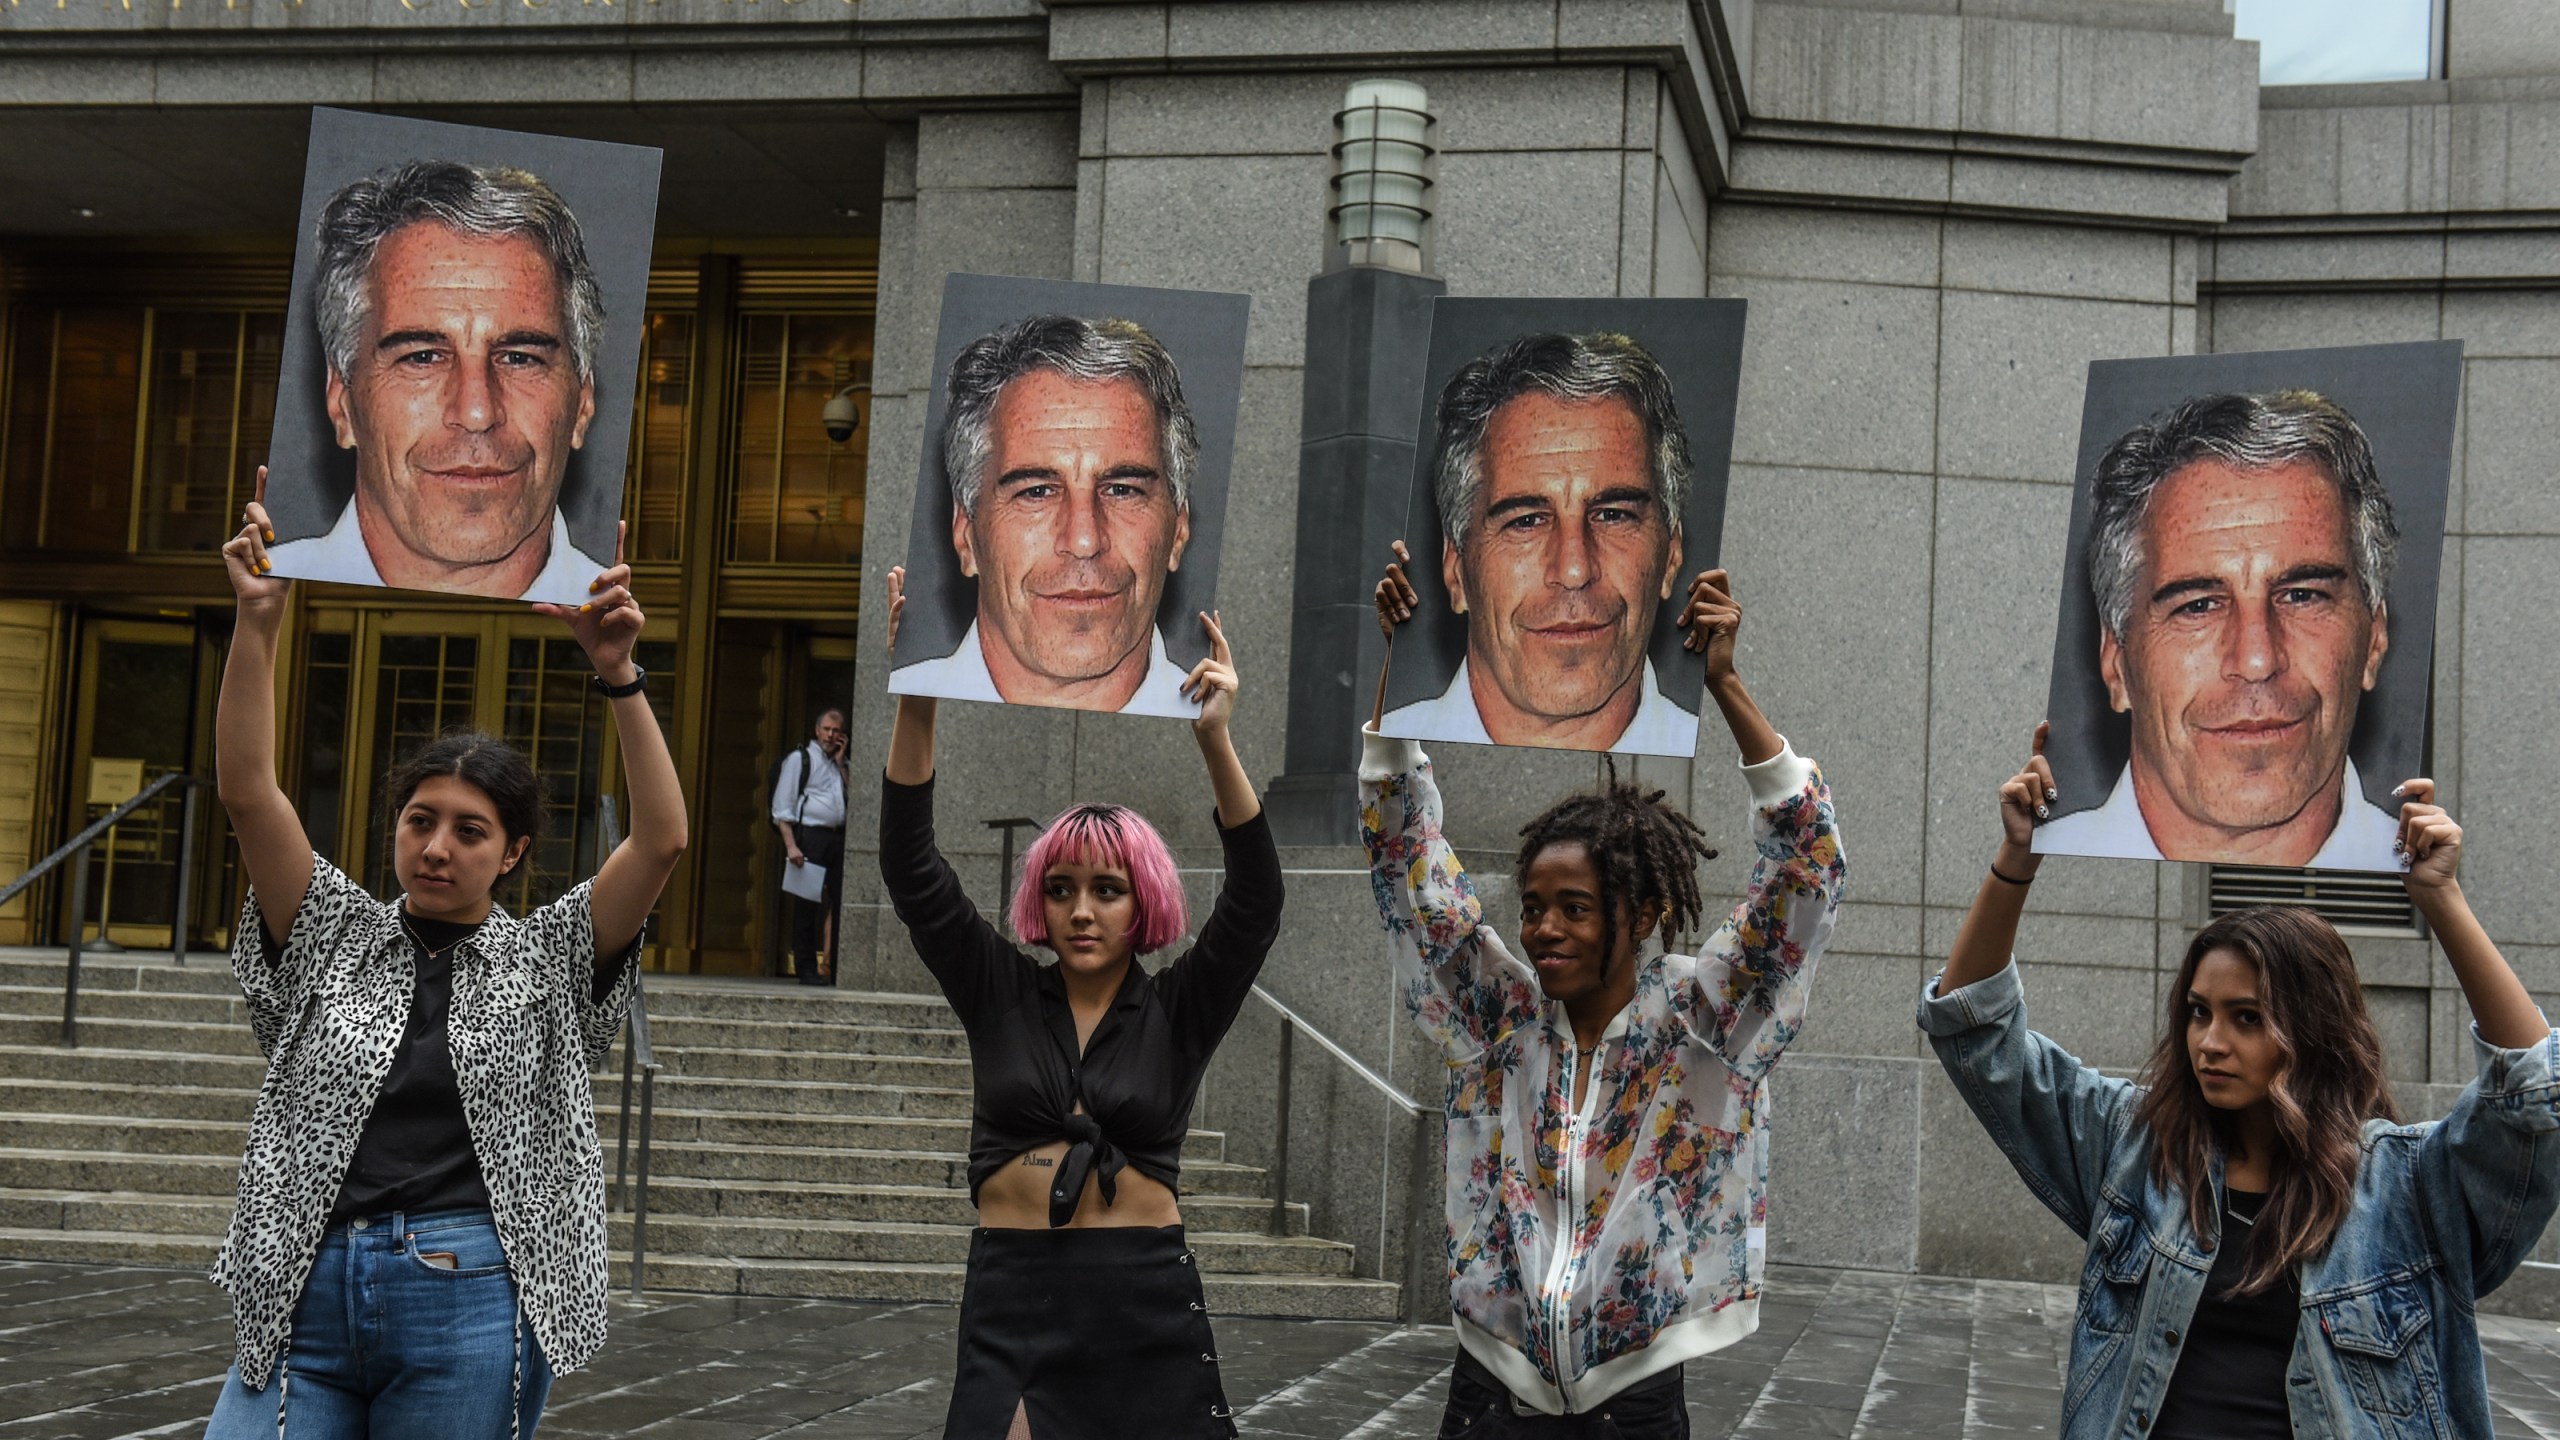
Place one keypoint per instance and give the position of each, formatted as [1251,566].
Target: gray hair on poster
[2247,432]
[1569,367]
[489,202]
[1090,351]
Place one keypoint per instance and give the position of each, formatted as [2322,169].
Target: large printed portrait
[1569,481]
[1072,496]
[2247,626]
[456,398]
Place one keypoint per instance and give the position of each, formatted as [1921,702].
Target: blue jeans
[388,1346]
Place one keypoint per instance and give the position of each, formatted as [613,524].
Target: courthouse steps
[808,1142]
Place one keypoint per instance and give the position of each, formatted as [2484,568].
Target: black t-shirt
[1140,1068]
[2230,1380]
[415,1154]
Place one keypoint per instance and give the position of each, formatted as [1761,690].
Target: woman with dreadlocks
[1082,1314]
[2270,1253]
[1608,1148]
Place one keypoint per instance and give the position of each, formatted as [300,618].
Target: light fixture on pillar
[1368,338]
[1382,176]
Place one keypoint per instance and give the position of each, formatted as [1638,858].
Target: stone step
[1284,1296]
[186,1252]
[825,1067]
[911,1204]
[131,1212]
[849,1132]
[205,973]
[92,1097]
[804,1165]
[672,998]
[789,1097]
[98,1063]
[167,1037]
[196,1175]
[44,1002]
[683,1033]
[129,1135]
[905,1243]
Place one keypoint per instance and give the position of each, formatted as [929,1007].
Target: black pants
[824,845]
[1654,1408]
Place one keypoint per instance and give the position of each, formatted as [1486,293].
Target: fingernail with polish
[2043,813]
[583,609]
[2399,790]
[2052,794]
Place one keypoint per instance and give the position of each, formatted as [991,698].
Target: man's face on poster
[2248,644]
[1568,551]
[464,401]
[1074,531]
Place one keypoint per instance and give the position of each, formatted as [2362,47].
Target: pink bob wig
[1104,835]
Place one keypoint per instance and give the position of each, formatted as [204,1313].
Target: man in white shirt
[808,809]
[2240,551]
[1069,450]
[459,318]
[1561,476]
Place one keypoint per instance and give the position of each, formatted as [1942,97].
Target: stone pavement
[121,1351]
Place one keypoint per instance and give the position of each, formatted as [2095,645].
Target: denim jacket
[2388,1346]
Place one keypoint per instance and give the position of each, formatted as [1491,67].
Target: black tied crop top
[1140,1070]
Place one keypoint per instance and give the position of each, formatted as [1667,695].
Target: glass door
[135,722]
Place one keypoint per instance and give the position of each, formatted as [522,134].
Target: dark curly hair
[1637,843]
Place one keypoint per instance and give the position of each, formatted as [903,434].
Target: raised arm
[629,882]
[2494,1164]
[273,845]
[1461,986]
[1214,684]
[1990,929]
[2054,1117]
[911,733]
[1755,973]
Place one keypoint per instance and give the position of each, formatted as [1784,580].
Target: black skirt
[1099,1333]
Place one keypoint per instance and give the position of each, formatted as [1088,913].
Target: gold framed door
[134,721]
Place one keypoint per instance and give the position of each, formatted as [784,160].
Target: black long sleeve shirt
[1140,1070]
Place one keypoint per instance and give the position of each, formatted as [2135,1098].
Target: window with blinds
[2345,899]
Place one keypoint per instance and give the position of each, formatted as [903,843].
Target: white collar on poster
[340,555]
[963,675]
[1660,726]
[2116,830]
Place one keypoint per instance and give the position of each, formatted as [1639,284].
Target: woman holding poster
[1083,1314]
[419,1243]
[2270,1253]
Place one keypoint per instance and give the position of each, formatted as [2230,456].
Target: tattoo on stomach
[1043,1161]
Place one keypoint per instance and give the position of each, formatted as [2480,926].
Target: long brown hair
[2327,1085]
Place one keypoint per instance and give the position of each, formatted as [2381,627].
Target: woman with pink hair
[1083,1313]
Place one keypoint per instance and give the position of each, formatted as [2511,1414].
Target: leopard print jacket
[525,1030]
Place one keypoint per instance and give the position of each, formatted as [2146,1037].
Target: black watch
[639,682]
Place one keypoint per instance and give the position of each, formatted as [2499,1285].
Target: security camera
[842,415]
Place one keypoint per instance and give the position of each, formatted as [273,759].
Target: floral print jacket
[1590,1249]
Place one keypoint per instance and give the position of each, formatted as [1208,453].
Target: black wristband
[639,681]
[2012,879]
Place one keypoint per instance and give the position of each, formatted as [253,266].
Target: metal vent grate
[2343,898]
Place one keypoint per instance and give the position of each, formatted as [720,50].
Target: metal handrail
[78,845]
[637,1055]
[1424,1289]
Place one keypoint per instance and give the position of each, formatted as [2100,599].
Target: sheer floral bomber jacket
[1591,1248]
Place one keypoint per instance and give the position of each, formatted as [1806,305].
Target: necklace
[433,954]
[2234,1211]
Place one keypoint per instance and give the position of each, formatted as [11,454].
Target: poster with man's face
[459,356]
[1569,483]
[1074,490]
[2247,630]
